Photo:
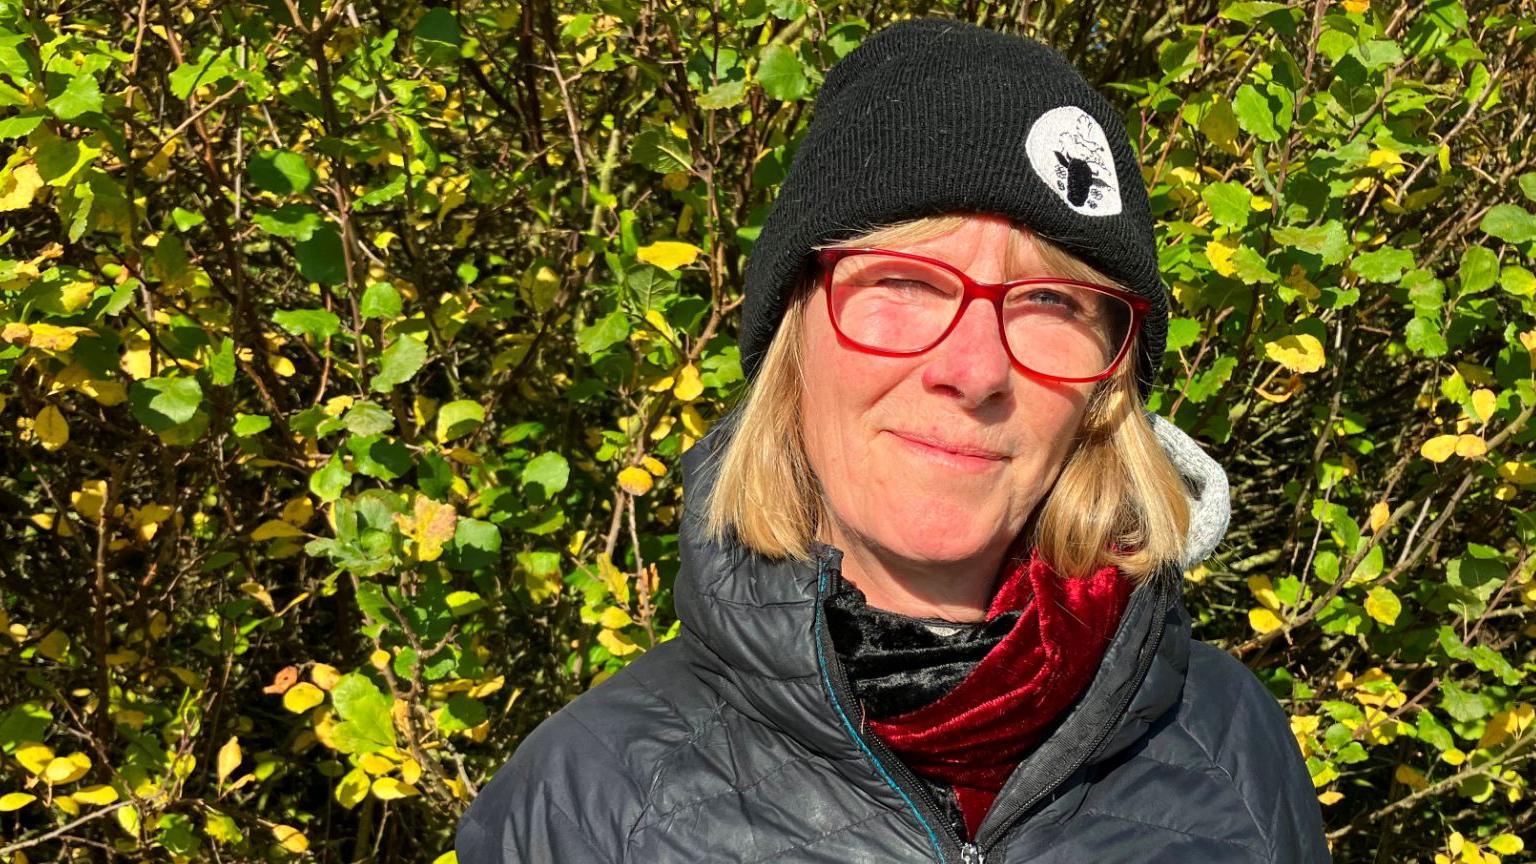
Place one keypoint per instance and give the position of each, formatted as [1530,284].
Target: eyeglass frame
[993,291]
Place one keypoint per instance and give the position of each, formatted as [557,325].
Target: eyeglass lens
[897,304]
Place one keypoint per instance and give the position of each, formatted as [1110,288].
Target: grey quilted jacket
[738,741]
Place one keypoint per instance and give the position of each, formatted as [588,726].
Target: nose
[971,365]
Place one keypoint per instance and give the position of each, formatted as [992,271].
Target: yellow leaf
[96,795]
[379,658]
[34,757]
[1299,352]
[693,422]
[19,185]
[1470,446]
[1452,756]
[67,804]
[1507,844]
[352,789]
[659,321]
[390,789]
[1264,620]
[298,510]
[91,498]
[430,525]
[410,770]
[1357,7]
[15,801]
[375,764]
[291,838]
[1410,777]
[669,254]
[655,466]
[1380,513]
[617,643]
[1382,605]
[257,590]
[302,696]
[229,758]
[54,645]
[67,769]
[613,618]
[635,481]
[1264,591]
[1484,403]
[1220,253]
[1439,448]
[689,385]
[273,529]
[1330,797]
[324,675]
[51,427]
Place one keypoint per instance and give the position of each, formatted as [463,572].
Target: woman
[930,583]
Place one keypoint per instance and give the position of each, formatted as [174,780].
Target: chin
[941,534]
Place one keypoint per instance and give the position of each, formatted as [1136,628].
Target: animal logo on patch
[1068,150]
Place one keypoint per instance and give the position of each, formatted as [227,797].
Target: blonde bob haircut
[1117,500]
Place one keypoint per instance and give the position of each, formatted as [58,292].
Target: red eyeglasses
[897,304]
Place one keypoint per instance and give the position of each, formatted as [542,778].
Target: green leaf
[399,363]
[1385,265]
[460,713]
[549,471]
[1230,203]
[186,220]
[1248,12]
[475,545]
[367,418]
[1423,335]
[380,300]
[160,403]
[1479,270]
[281,172]
[1464,707]
[379,457]
[331,480]
[319,323]
[606,332]
[1528,185]
[210,68]
[295,221]
[22,723]
[661,152]
[727,94]
[15,127]
[1328,241]
[438,25]
[781,73]
[367,726]
[1182,333]
[459,418]
[247,425]
[320,256]
[462,603]
[1510,223]
[1258,114]
[81,96]
[1518,281]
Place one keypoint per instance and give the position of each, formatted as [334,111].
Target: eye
[909,285]
[1049,297]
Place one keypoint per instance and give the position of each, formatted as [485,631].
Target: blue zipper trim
[826,679]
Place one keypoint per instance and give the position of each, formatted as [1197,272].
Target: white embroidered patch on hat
[1067,148]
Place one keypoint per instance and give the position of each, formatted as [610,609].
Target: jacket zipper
[987,840]
[947,845]
[899,776]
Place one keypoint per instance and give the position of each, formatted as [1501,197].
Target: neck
[958,590]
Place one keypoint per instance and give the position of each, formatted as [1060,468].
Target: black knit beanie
[931,116]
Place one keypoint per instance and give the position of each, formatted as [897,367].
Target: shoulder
[580,781]
[1245,734]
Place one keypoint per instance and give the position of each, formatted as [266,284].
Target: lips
[951,447]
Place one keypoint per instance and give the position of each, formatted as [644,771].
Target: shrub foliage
[348,350]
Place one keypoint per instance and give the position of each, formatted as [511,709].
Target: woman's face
[905,501]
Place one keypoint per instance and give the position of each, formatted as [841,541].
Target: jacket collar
[752,620]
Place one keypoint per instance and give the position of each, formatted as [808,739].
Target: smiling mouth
[965,454]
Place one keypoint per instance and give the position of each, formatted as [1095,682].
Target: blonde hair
[1117,500]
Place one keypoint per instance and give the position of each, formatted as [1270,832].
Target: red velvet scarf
[975,735]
